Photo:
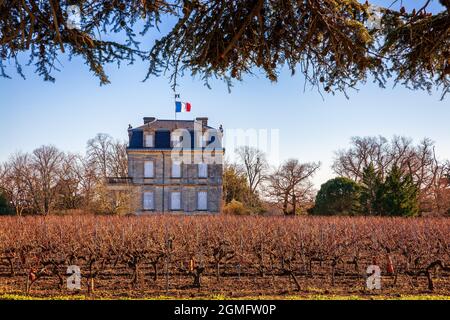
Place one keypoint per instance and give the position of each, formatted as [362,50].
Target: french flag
[182,106]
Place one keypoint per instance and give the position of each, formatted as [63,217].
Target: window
[202,170]
[175,201]
[149,143]
[202,200]
[149,203]
[177,139]
[162,139]
[176,169]
[148,169]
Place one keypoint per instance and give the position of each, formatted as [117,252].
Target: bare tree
[88,180]
[418,160]
[105,158]
[69,182]
[118,160]
[3,175]
[290,184]
[3,171]
[14,184]
[108,156]
[46,164]
[19,182]
[98,151]
[254,165]
[49,179]
[350,163]
[30,180]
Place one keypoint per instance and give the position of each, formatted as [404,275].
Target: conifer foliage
[396,195]
[335,44]
[338,196]
[371,192]
[399,194]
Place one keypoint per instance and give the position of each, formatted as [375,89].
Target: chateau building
[174,166]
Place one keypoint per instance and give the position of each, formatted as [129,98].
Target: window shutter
[202,200]
[176,170]
[176,201]
[149,201]
[202,170]
[148,169]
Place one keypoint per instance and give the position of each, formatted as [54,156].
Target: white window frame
[149,140]
[146,200]
[202,170]
[202,206]
[173,200]
[176,173]
[147,172]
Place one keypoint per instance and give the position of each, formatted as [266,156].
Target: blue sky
[75,108]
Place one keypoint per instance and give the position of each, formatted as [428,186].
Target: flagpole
[176,95]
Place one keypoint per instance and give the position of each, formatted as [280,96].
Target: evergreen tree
[371,191]
[4,206]
[339,196]
[399,194]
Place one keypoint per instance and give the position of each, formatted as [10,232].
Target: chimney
[130,132]
[203,120]
[149,119]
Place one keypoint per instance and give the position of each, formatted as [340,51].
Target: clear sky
[75,108]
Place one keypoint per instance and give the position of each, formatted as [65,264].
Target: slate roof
[171,124]
[162,134]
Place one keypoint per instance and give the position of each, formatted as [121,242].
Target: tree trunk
[294,205]
[217,271]
[297,284]
[285,205]
[12,271]
[155,270]
[197,274]
[135,279]
[333,272]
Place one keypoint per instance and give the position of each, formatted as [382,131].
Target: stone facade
[151,169]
